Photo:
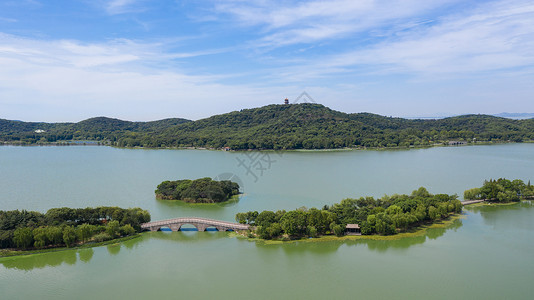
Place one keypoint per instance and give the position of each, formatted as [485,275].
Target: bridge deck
[472,202]
[195,221]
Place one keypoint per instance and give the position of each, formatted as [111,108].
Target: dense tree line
[385,216]
[501,190]
[297,126]
[68,226]
[203,190]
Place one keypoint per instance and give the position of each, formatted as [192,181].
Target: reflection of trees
[296,249]
[86,254]
[114,249]
[39,261]
[319,247]
[506,217]
[177,204]
[405,243]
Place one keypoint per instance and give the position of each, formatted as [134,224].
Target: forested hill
[295,126]
[96,129]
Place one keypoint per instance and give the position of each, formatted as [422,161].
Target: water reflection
[407,242]
[516,216]
[54,259]
[185,236]
[86,254]
[114,249]
[40,261]
[297,247]
[173,204]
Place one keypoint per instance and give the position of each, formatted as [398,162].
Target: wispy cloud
[496,37]
[115,7]
[8,20]
[120,78]
[294,22]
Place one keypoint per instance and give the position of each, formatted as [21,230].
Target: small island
[501,190]
[203,190]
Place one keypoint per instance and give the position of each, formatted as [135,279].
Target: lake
[486,254]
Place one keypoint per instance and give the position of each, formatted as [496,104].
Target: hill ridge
[277,126]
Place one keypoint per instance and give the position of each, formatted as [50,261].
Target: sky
[141,60]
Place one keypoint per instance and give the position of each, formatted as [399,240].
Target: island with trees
[66,227]
[203,190]
[384,216]
[276,127]
[501,190]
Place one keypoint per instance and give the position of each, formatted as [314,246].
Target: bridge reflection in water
[200,223]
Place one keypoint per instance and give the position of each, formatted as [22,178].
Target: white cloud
[493,38]
[8,20]
[115,7]
[289,22]
[69,81]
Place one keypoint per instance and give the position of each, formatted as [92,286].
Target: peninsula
[66,227]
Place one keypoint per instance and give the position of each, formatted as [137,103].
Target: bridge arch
[200,223]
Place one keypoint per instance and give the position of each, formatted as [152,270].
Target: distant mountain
[295,126]
[515,115]
[98,129]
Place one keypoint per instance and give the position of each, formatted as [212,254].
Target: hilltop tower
[286,101]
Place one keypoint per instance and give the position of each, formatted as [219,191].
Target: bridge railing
[192,220]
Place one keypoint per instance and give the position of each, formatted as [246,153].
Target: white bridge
[200,223]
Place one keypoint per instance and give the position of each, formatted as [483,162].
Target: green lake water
[488,254]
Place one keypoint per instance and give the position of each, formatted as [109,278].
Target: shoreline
[418,231]
[13,253]
[486,203]
[435,145]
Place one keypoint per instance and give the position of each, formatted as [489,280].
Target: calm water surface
[486,255]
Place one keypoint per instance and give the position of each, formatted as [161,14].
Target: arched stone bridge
[200,223]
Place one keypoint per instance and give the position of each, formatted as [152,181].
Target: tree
[420,212]
[69,236]
[54,234]
[366,228]
[127,230]
[472,194]
[384,224]
[433,213]
[265,218]
[262,232]
[112,229]
[251,217]
[458,206]
[311,231]
[241,218]
[400,221]
[421,192]
[39,236]
[23,237]
[339,230]
[85,231]
[274,230]
[294,222]
[393,210]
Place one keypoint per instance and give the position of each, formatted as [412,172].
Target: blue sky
[147,60]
